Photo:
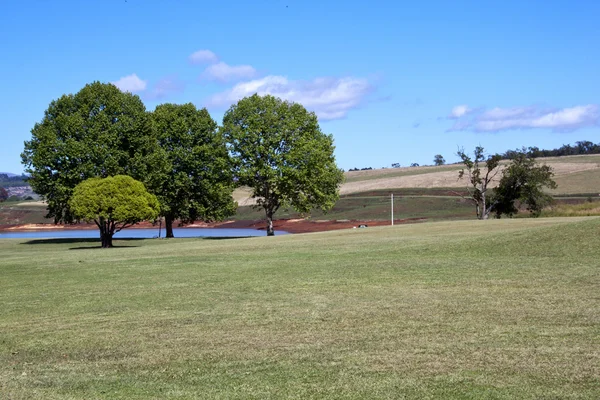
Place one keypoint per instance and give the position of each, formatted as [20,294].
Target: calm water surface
[136,233]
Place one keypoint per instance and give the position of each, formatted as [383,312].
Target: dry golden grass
[576,174]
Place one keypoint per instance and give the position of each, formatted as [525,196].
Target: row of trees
[521,183]
[580,148]
[180,154]
[7,181]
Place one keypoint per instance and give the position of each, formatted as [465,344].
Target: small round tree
[113,203]
[438,159]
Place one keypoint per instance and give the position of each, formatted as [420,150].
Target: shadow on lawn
[80,240]
[225,237]
[96,242]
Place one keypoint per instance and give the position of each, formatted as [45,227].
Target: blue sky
[394,82]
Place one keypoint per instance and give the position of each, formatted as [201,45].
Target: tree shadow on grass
[94,241]
[224,237]
[97,245]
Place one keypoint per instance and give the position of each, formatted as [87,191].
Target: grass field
[500,309]
[375,205]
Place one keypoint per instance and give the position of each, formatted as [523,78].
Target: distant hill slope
[573,174]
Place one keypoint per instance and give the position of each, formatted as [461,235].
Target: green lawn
[500,309]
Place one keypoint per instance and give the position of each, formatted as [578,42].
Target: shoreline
[288,225]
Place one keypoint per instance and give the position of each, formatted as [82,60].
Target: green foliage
[438,159]
[281,153]
[99,131]
[199,181]
[479,177]
[523,182]
[113,203]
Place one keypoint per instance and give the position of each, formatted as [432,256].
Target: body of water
[136,233]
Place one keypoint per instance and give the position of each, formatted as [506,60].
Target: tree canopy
[523,182]
[97,132]
[438,159]
[113,203]
[198,182]
[281,153]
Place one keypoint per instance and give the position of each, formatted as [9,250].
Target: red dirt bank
[288,225]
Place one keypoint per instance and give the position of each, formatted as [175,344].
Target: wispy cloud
[329,98]
[131,83]
[227,73]
[501,119]
[164,87]
[203,57]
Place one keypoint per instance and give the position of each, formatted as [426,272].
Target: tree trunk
[169,226]
[270,230]
[106,233]
[106,239]
[484,211]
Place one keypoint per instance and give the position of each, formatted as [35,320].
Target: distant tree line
[361,169]
[580,148]
[13,181]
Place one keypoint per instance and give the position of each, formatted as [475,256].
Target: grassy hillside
[455,310]
[23,212]
[574,175]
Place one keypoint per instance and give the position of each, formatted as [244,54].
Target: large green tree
[523,182]
[281,153]
[199,181]
[97,132]
[113,203]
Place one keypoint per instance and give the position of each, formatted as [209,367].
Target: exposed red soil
[288,225]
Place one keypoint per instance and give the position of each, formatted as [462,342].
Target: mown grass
[499,309]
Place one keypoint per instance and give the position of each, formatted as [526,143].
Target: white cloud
[131,83]
[507,113]
[500,119]
[459,111]
[203,57]
[329,98]
[227,73]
